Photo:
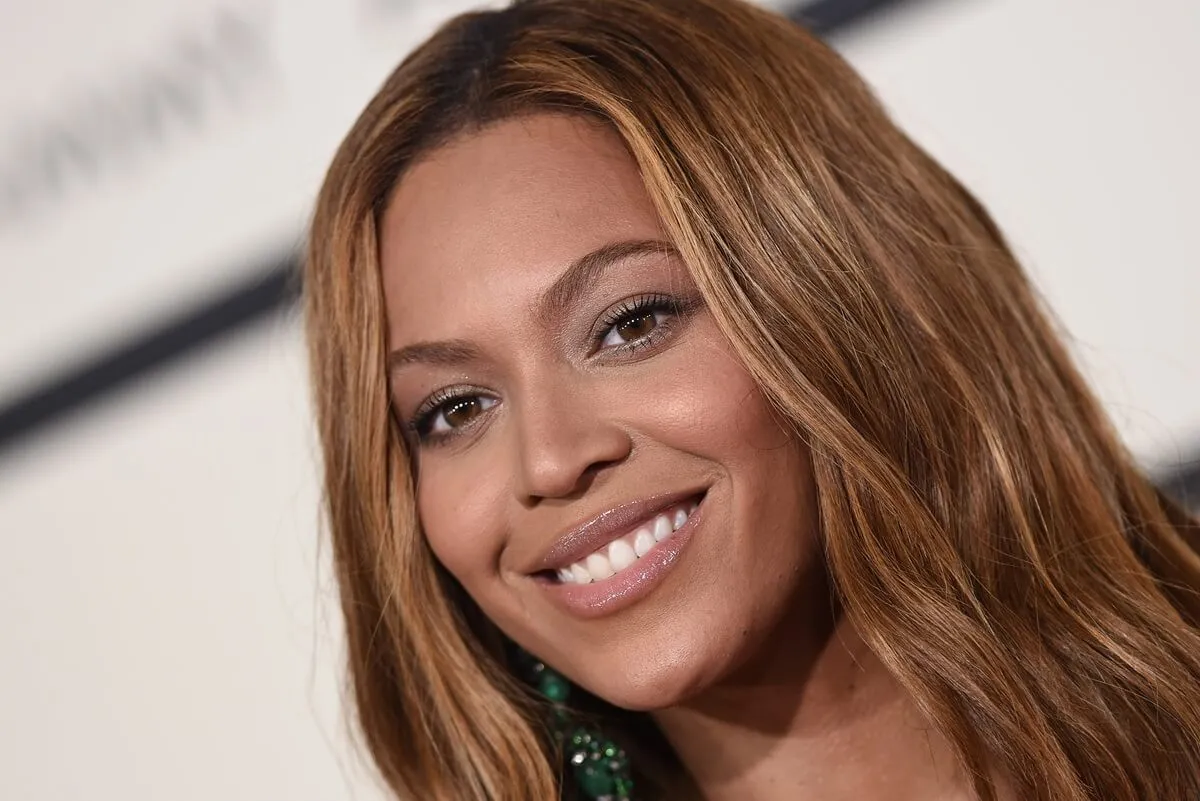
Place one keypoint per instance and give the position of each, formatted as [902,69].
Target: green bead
[595,781]
[623,787]
[554,687]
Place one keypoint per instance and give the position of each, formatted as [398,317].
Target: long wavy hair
[983,526]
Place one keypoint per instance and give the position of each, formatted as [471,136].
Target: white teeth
[662,528]
[623,552]
[681,516]
[643,541]
[621,555]
[599,566]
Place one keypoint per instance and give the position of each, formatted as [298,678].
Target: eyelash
[636,309]
[633,309]
[437,403]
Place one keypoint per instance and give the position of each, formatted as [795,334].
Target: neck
[821,719]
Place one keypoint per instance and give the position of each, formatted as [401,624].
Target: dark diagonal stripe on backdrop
[827,16]
[273,289]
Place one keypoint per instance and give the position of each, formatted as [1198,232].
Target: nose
[566,437]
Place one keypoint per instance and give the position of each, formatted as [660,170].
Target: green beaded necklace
[600,766]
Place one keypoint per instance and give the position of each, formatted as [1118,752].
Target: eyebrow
[446,353]
[584,271]
[563,293]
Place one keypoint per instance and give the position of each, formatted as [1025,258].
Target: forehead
[493,217]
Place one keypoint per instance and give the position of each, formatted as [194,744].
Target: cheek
[461,513]
[766,494]
[715,409]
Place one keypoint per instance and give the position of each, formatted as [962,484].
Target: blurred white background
[168,623]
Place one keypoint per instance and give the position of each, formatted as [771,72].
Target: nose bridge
[562,432]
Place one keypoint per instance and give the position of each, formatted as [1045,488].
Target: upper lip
[584,539]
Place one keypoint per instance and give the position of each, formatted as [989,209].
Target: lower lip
[610,595]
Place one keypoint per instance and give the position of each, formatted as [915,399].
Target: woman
[689,432]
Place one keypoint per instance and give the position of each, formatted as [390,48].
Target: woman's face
[594,465]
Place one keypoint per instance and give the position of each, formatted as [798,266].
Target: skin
[759,684]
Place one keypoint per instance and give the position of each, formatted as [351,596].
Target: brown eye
[462,411]
[446,418]
[636,327]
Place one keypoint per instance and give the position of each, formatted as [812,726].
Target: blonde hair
[985,530]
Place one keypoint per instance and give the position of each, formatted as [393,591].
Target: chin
[672,666]
[660,678]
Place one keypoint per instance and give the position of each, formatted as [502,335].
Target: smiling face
[564,387]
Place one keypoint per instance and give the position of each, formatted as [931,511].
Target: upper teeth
[621,553]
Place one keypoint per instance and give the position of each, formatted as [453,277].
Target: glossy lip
[610,595]
[586,538]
